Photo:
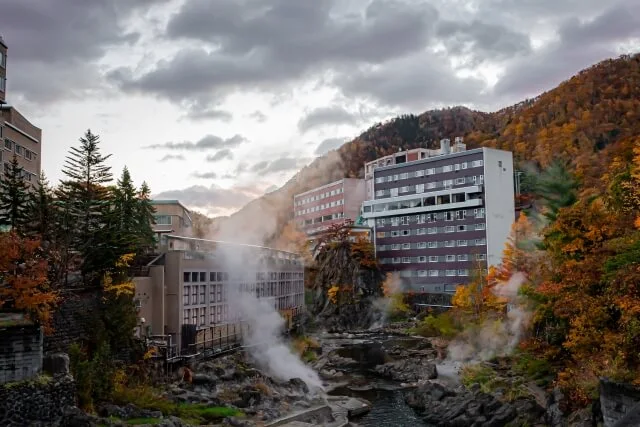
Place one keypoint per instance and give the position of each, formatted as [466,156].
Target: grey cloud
[209,114]
[220,155]
[408,83]
[329,144]
[55,44]
[282,164]
[209,198]
[172,157]
[482,41]
[334,115]
[205,175]
[208,142]
[258,116]
[278,42]
[580,44]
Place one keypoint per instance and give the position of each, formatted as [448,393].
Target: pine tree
[124,220]
[14,198]
[88,200]
[145,216]
[41,210]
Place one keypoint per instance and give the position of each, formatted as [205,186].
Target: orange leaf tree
[23,279]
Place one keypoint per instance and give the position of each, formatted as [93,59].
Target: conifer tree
[144,216]
[87,199]
[14,198]
[41,210]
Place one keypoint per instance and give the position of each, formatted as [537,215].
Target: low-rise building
[439,217]
[187,295]
[334,203]
[171,217]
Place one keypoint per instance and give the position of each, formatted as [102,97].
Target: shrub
[441,325]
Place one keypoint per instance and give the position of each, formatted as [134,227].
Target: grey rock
[56,364]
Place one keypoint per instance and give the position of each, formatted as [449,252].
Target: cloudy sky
[215,102]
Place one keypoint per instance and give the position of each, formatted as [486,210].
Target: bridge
[432,299]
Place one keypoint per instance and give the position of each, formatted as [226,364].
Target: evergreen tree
[124,219]
[557,189]
[145,216]
[41,210]
[88,201]
[14,198]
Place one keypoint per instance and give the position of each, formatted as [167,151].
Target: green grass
[489,382]
[141,421]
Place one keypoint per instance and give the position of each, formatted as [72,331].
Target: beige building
[17,135]
[171,217]
[185,296]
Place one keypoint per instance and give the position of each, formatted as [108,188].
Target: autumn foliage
[23,279]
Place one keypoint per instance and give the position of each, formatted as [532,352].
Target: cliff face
[344,289]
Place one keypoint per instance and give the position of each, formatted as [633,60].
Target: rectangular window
[451,258]
[447,168]
[463,272]
[481,257]
[430,171]
[462,228]
[420,188]
[422,273]
[212,315]
[481,242]
[422,259]
[464,257]
[203,277]
[194,295]
[395,177]
[203,294]
[421,231]
[451,273]
[186,277]
[431,185]
[432,245]
[404,176]
[433,273]
[380,234]
[460,181]
[19,150]
[419,173]
[162,219]
[194,316]
[394,192]
[462,243]
[463,165]
[187,316]
[396,247]
[185,295]
[479,213]
[433,259]
[406,232]
[406,246]
[448,183]
[480,226]
[456,167]
[449,243]
[461,214]
[395,233]
[476,163]
[194,276]
[203,316]
[396,260]
[448,216]
[422,245]
[481,179]
[28,154]
[433,230]
[8,144]
[406,260]
[449,229]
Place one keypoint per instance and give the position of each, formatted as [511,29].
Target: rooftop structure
[171,217]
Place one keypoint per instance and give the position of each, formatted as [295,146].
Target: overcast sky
[214,102]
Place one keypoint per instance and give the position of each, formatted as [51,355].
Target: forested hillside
[582,122]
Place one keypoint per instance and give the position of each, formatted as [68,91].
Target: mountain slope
[582,121]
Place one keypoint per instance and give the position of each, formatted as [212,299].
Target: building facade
[318,209]
[17,135]
[194,288]
[438,218]
[171,218]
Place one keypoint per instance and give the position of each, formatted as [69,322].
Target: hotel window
[203,277]
[187,316]
[432,245]
[480,242]
[462,228]
[476,163]
[456,166]
[462,243]
[194,276]
[406,232]
[422,259]
[430,171]
[449,229]
[406,260]
[433,259]
[481,179]
[396,260]
[212,315]
[406,246]
[185,295]
[8,144]
[203,316]
[203,294]
[394,192]
[162,219]
[431,185]
[460,181]
[28,154]
[380,180]
[463,272]
[405,220]
[19,150]
[464,257]
[395,177]
[404,176]
[420,188]
[404,189]
[447,168]
[479,213]
[380,222]
[395,221]
[449,243]
[463,165]
[396,247]
[451,273]
[389,178]
[448,183]
[212,293]
[480,226]
[448,216]
[381,234]
[461,214]
[421,231]
[419,173]
[194,316]
[432,230]
[194,295]
[433,273]
[451,258]
[422,273]
[379,193]
[186,277]
[422,245]
[481,257]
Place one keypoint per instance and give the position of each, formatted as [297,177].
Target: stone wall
[74,319]
[36,401]
[617,400]
[20,352]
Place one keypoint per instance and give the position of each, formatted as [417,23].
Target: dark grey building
[437,219]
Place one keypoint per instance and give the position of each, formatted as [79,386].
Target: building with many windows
[171,217]
[18,137]
[187,294]
[318,209]
[437,218]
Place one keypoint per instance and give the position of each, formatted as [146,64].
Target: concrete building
[173,218]
[439,217]
[318,209]
[17,135]
[184,295]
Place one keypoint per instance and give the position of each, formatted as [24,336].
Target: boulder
[56,364]
[408,370]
